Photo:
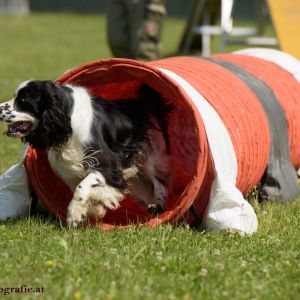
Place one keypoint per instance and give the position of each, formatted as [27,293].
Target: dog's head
[39,113]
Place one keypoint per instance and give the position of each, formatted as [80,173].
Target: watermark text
[21,289]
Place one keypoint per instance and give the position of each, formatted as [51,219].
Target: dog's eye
[22,100]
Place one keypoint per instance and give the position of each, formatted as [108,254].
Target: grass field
[168,262]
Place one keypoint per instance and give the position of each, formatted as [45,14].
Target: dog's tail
[158,108]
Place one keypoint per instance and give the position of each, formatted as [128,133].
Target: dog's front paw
[97,211]
[77,213]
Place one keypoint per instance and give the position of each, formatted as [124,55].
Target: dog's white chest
[68,165]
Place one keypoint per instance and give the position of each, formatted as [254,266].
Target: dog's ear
[49,93]
[41,95]
[47,103]
[56,120]
[54,94]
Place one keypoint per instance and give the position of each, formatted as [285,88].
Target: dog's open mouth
[18,129]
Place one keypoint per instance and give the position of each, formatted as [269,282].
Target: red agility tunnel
[193,169]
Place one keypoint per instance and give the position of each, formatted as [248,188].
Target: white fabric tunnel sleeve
[14,192]
[227,208]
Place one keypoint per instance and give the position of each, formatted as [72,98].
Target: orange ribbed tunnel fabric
[285,87]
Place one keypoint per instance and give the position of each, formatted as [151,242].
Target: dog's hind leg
[159,168]
[160,180]
[94,196]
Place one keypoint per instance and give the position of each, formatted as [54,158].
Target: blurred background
[175,8]
[44,39]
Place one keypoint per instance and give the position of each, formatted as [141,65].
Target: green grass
[168,262]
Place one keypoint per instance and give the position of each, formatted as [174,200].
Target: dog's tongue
[17,129]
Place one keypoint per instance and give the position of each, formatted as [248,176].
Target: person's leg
[118,31]
[150,29]
[136,12]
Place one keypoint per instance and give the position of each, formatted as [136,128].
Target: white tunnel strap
[24,151]
[227,210]
[220,143]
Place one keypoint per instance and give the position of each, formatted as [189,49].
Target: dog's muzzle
[18,126]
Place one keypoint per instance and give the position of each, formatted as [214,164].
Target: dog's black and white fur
[101,149]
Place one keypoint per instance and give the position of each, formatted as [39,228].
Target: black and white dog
[101,149]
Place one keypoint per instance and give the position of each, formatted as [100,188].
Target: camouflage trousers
[134,28]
